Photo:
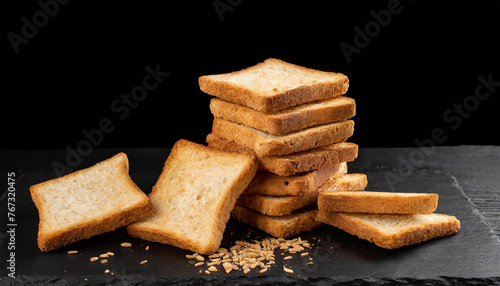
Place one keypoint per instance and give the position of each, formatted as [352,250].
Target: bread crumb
[147,247]
[263,270]
[92,259]
[199,264]
[104,255]
[144,262]
[126,244]
[110,253]
[200,258]
[212,268]
[287,270]
[304,254]
[104,261]
[106,271]
[287,258]
[73,252]
[207,272]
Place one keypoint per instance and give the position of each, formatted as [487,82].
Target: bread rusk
[287,120]
[378,202]
[392,230]
[194,195]
[274,185]
[274,85]
[279,226]
[264,143]
[347,182]
[294,163]
[88,202]
[277,205]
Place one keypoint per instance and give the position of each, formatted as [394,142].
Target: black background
[64,80]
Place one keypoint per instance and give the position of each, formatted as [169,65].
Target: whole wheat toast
[274,85]
[88,202]
[287,120]
[264,143]
[295,163]
[194,196]
[392,230]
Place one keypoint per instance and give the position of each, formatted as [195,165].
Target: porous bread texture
[287,120]
[264,143]
[392,230]
[274,85]
[378,202]
[295,163]
[279,226]
[194,196]
[88,202]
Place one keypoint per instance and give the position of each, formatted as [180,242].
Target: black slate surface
[471,256]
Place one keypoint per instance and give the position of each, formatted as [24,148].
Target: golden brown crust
[49,240]
[277,205]
[271,184]
[295,163]
[378,202]
[283,226]
[296,118]
[334,84]
[442,225]
[267,144]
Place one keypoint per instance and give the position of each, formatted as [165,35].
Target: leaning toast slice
[287,120]
[264,143]
[274,85]
[88,202]
[378,202]
[194,196]
[392,230]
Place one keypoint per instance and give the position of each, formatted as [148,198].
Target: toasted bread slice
[274,85]
[264,143]
[279,226]
[287,120]
[274,185]
[277,205]
[378,202]
[194,195]
[392,230]
[295,163]
[347,182]
[88,202]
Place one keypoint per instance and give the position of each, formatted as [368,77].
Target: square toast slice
[88,202]
[347,182]
[274,185]
[279,226]
[287,120]
[295,163]
[264,143]
[194,195]
[274,85]
[392,230]
[378,202]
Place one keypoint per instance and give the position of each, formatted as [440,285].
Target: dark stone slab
[472,256]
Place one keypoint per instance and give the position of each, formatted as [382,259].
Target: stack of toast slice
[296,121]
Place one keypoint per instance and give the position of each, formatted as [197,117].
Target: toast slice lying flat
[295,163]
[347,182]
[274,85]
[264,143]
[274,185]
[194,195]
[277,205]
[287,120]
[279,226]
[378,202]
[88,202]
[392,230]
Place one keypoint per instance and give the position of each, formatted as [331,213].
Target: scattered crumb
[126,244]
[106,271]
[147,247]
[287,270]
[92,259]
[73,252]
[104,261]
[144,262]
